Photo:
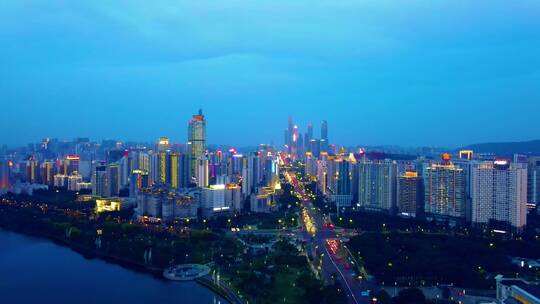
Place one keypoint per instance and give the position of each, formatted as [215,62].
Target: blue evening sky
[415,72]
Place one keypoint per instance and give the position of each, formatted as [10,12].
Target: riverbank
[41,270]
[87,252]
[156,272]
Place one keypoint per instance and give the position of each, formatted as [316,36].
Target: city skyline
[306,133]
[248,151]
[379,73]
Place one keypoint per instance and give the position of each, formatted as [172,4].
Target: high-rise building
[163,144]
[174,170]
[47,173]
[202,173]
[73,182]
[270,174]
[533,177]
[166,205]
[308,137]
[113,180]
[290,131]
[410,197]
[295,142]
[32,170]
[196,140]
[343,190]
[5,169]
[377,185]
[220,199]
[251,174]
[311,165]
[71,164]
[315,147]
[154,167]
[164,167]
[444,185]
[324,136]
[499,194]
[99,181]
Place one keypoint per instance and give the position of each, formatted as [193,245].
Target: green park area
[282,276]
[419,259]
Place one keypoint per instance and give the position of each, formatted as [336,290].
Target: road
[332,264]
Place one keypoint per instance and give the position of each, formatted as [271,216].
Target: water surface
[34,270]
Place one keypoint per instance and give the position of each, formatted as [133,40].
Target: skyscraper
[295,142]
[196,140]
[499,194]
[308,137]
[324,136]
[444,189]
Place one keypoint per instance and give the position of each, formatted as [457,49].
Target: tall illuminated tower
[289,133]
[308,137]
[196,141]
[324,136]
[294,141]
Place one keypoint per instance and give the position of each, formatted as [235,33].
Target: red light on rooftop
[198,117]
[446,157]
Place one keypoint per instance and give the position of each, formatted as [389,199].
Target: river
[34,270]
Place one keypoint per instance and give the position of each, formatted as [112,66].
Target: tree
[446,293]
[382,297]
[410,296]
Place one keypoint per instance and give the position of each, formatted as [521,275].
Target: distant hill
[507,148]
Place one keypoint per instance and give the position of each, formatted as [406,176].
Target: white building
[499,193]
[202,173]
[219,199]
[377,185]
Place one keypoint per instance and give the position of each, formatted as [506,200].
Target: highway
[336,261]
